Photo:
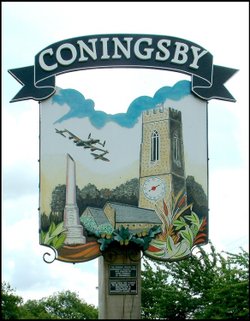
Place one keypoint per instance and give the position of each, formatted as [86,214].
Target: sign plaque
[123,286]
[122,279]
[122,271]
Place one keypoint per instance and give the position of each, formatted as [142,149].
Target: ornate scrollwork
[110,255]
[134,254]
[47,254]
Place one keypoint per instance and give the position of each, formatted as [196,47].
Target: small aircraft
[95,141]
[101,156]
[85,143]
[60,132]
[90,143]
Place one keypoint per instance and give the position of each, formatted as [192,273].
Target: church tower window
[154,146]
[176,150]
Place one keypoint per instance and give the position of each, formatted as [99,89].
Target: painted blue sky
[81,107]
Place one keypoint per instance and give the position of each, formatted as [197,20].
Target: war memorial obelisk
[71,211]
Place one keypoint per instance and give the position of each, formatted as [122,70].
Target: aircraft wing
[100,157]
[74,137]
[94,148]
[105,159]
[61,132]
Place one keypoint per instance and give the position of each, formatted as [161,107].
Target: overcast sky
[27,28]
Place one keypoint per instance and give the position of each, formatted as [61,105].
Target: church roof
[124,213]
[98,215]
[131,214]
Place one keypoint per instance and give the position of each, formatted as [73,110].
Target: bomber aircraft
[90,143]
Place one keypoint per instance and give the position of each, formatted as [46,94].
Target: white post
[71,211]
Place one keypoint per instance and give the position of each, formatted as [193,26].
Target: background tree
[58,199]
[208,285]
[61,305]
[127,193]
[10,303]
[35,309]
[68,305]
[90,196]
[105,193]
[90,191]
[196,196]
[160,299]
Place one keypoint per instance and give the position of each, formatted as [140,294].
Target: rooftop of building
[124,213]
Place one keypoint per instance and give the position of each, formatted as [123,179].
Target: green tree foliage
[44,222]
[89,195]
[196,196]
[208,285]
[90,191]
[127,193]
[61,305]
[58,199]
[35,309]
[10,303]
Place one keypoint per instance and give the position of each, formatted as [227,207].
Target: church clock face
[154,188]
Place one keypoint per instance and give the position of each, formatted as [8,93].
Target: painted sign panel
[135,177]
[138,176]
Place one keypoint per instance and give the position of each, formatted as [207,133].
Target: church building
[162,166]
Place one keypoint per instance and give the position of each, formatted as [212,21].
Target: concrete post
[120,285]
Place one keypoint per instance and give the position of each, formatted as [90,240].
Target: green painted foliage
[55,235]
[125,236]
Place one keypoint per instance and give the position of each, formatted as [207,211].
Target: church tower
[162,168]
